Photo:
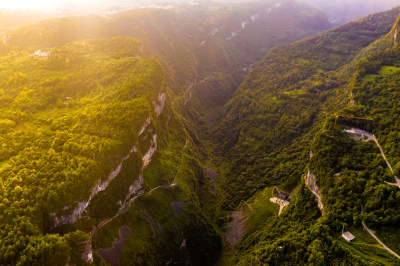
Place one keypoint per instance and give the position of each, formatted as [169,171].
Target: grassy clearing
[366,246]
[259,209]
[383,71]
[361,235]
[388,70]
[370,77]
[391,238]
[370,252]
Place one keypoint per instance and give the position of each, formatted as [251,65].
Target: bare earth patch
[177,206]
[112,255]
[282,203]
[235,229]
[212,174]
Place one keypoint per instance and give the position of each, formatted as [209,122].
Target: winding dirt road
[367,136]
[378,240]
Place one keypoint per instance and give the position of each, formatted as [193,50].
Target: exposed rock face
[99,186]
[312,185]
[161,104]
[87,256]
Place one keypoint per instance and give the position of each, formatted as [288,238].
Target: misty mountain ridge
[201,133]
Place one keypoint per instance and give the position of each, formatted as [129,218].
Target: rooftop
[348,236]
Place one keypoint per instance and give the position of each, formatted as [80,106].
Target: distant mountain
[200,133]
[17,18]
[342,11]
[207,38]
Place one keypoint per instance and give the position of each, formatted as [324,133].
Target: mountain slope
[266,127]
[350,169]
[340,11]
[105,154]
[84,136]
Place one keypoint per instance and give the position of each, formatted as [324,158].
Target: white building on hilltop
[348,236]
[41,54]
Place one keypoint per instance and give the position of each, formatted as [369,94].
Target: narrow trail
[366,136]
[375,237]
[189,89]
[370,136]
[378,240]
[173,184]
[397,184]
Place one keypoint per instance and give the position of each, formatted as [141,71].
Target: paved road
[379,241]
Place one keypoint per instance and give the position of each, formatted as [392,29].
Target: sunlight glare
[35,4]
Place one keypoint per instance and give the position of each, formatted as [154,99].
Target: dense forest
[267,126]
[66,122]
[355,182]
[139,138]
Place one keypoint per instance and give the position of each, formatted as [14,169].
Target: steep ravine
[99,186]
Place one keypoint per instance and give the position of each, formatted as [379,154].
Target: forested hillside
[79,133]
[93,148]
[341,11]
[191,42]
[128,139]
[267,127]
[348,161]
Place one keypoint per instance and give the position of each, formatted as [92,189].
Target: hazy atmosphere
[199,133]
[338,11]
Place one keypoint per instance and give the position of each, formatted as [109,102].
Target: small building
[41,54]
[282,195]
[348,236]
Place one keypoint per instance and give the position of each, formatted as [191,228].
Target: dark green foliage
[200,239]
[284,101]
[67,120]
[62,130]
[267,127]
